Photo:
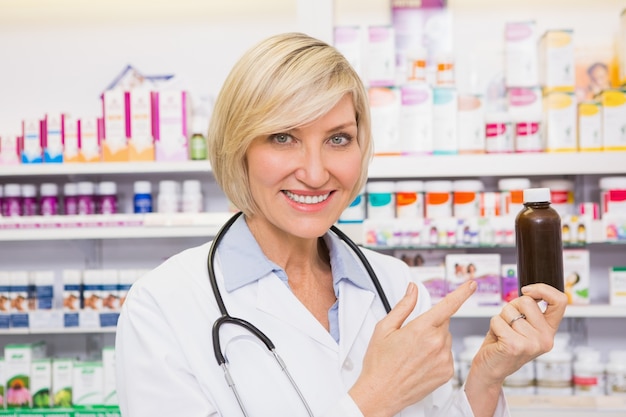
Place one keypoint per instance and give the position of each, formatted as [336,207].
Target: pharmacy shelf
[382,167]
[62,330]
[573,406]
[498,165]
[572,311]
[153,225]
[104,168]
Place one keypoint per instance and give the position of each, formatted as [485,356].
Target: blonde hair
[284,82]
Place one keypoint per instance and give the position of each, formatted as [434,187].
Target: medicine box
[485,269]
[509,282]
[590,126]
[617,285]
[560,122]
[171,120]
[140,137]
[613,119]
[87,384]
[556,60]
[89,135]
[31,149]
[17,370]
[71,145]
[433,278]
[62,376]
[115,115]
[576,272]
[381,56]
[41,382]
[520,50]
[53,138]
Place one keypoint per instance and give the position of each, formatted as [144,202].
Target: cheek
[264,169]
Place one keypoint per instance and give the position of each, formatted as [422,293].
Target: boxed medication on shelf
[385,114]
[415,125]
[613,119]
[108,375]
[140,135]
[41,382]
[560,122]
[89,136]
[381,56]
[617,285]
[576,268]
[17,371]
[53,138]
[509,282]
[115,116]
[9,149]
[433,278]
[483,268]
[31,150]
[71,146]
[348,41]
[556,60]
[171,118]
[590,126]
[62,375]
[87,383]
[520,51]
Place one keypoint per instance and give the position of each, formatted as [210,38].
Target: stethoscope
[227,318]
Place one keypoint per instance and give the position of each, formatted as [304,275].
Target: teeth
[308,199]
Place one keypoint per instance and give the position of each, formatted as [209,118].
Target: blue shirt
[243,262]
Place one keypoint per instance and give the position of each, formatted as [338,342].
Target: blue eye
[281,138]
[341,139]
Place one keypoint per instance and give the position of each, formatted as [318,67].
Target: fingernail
[526,288]
[473,285]
[410,288]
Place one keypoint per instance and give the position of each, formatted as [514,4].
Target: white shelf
[154,225]
[498,165]
[572,311]
[572,405]
[406,166]
[104,168]
[62,330]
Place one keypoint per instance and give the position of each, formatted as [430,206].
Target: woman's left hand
[519,334]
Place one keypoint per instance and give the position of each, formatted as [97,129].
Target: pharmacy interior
[104,173]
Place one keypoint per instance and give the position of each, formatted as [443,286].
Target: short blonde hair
[284,82]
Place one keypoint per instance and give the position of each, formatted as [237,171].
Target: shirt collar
[243,262]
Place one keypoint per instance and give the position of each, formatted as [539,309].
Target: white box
[32,151]
[62,377]
[385,113]
[87,383]
[348,41]
[171,121]
[115,140]
[415,125]
[617,285]
[556,60]
[471,124]
[433,278]
[560,122]
[381,56]
[53,138]
[445,109]
[589,126]
[18,361]
[41,382]
[613,119]
[108,369]
[576,275]
[520,64]
[71,148]
[482,268]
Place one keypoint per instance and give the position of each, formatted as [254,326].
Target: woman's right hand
[403,364]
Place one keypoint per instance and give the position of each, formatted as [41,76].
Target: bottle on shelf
[538,241]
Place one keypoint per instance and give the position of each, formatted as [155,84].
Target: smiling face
[302,179]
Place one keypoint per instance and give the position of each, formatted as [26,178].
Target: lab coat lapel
[276,299]
[352,318]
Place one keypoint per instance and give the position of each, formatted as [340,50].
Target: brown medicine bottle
[538,241]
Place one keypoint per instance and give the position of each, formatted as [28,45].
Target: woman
[290,144]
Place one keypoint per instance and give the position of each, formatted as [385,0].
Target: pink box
[171,125]
[10,149]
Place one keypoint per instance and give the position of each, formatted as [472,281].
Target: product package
[617,285]
[433,278]
[483,268]
[576,270]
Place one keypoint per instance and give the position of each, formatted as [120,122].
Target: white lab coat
[166,365]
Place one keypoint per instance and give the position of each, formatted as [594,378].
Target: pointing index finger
[441,312]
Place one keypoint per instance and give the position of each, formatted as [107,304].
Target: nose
[312,167]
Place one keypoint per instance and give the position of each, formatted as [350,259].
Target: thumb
[401,311]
